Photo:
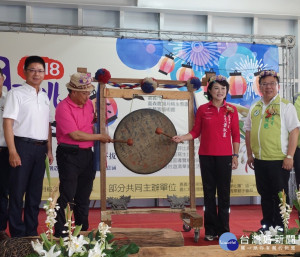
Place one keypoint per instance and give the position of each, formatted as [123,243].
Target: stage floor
[242,218]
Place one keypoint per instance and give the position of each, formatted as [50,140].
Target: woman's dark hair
[223,83]
[34,59]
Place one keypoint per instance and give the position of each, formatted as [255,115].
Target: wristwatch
[235,154]
[289,156]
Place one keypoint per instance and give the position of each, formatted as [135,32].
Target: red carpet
[242,217]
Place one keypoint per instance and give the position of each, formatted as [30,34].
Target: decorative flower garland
[229,110]
[271,112]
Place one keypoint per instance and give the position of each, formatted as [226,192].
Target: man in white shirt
[4,164]
[27,133]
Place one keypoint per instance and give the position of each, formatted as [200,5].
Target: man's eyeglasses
[272,84]
[35,71]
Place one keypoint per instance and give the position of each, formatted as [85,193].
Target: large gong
[150,151]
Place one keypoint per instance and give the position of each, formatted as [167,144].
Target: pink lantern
[237,85]
[255,84]
[167,64]
[185,72]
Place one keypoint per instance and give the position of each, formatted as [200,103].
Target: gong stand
[131,93]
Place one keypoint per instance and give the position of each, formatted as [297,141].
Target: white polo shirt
[30,112]
[2,102]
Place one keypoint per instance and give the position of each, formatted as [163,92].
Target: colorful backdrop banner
[136,58]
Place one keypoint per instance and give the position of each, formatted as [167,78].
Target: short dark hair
[223,83]
[34,59]
[1,72]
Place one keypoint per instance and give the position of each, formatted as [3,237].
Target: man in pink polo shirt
[74,132]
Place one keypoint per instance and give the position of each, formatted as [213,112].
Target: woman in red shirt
[217,125]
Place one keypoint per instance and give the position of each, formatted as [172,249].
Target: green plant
[96,244]
[288,236]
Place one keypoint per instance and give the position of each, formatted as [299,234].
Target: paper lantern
[185,72]
[167,64]
[255,84]
[237,85]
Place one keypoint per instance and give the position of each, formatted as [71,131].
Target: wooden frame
[130,93]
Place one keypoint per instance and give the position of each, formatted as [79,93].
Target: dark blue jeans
[216,177]
[27,180]
[4,182]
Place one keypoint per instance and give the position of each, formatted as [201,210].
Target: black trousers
[297,169]
[27,180]
[4,182]
[76,175]
[297,166]
[216,177]
[271,178]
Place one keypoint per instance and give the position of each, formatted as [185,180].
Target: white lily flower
[96,251]
[51,252]
[71,244]
[285,211]
[109,246]
[268,232]
[76,245]
[37,246]
[103,228]
[274,231]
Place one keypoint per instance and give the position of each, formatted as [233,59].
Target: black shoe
[210,237]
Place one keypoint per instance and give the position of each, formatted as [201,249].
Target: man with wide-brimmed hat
[75,138]
[272,129]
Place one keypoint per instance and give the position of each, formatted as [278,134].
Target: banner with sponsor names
[135,58]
